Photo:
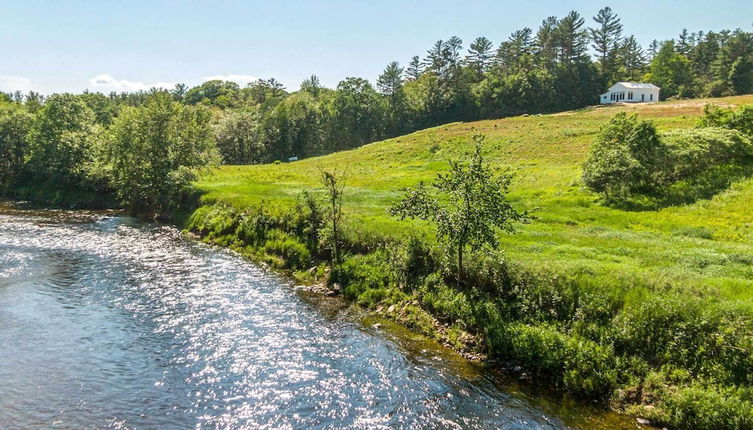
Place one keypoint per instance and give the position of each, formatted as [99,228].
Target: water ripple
[108,322]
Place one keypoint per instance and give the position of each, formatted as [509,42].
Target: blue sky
[104,45]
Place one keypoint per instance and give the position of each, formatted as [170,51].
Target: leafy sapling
[468,205]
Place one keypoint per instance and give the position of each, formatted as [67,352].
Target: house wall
[639,95]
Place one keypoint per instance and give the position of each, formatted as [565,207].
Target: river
[109,322]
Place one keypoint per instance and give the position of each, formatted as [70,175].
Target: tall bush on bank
[61,141]
[15,123]
[152,150]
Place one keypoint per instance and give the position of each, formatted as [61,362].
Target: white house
[630,92]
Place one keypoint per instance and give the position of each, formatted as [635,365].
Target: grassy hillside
[707,243]
[650,310]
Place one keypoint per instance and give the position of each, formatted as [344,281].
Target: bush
[411,261]
[362,273]
[708,407]
[629,159]
[707,340]
[693,151]
[582,366]
[294,254]
[740,120]
[623,158]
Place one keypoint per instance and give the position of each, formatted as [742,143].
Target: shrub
[693,151]
[361,273]
[740,120]
[294,254]
[582,366]
[411,261]
[708,340]
[623,157]
[708,407]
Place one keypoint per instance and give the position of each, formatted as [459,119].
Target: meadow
[706,243]
[646,308]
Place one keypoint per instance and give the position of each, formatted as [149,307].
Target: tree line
[563,64]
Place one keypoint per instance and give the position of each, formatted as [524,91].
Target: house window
[643,97]
[630,95]
[651,97]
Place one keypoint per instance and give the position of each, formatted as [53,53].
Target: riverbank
[189,335]
[647,311]
[45,194]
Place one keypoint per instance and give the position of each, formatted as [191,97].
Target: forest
[96,142]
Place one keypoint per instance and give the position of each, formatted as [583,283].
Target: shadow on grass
[714,180]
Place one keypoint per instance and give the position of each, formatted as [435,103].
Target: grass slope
[704,245]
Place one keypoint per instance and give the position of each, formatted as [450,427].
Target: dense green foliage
[151,151]
[547,69]
[630,158]
[81,150]
[15,123]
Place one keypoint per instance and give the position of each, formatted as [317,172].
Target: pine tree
[414,69]
[479,55]
[545,44]
[390,81]
[435,59]
[571,38]
[632,59]
[514,55]
[606,38]
[653,49]
[683,42]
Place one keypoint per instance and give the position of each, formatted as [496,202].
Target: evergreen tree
[684,44]
[178,91]
[741,75]
[479,55]
[653,49]
[435,60]
[390,84]
[414,69]
[571,38]
[632,59]
[606,39]
[545,43]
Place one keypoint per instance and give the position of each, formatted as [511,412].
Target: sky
[105,45]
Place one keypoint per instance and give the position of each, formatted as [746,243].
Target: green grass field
[647,309]
[702,245]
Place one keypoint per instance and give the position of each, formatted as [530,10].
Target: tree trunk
[460,264]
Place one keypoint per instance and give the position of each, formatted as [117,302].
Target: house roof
[637,85]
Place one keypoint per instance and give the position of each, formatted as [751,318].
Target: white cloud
[107,82]
[239,79]
[15,83]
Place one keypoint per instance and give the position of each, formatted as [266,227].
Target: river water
[108,322]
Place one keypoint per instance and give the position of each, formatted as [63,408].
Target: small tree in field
[468,205]
[334,186]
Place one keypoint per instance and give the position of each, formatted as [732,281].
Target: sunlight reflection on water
[108,322]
